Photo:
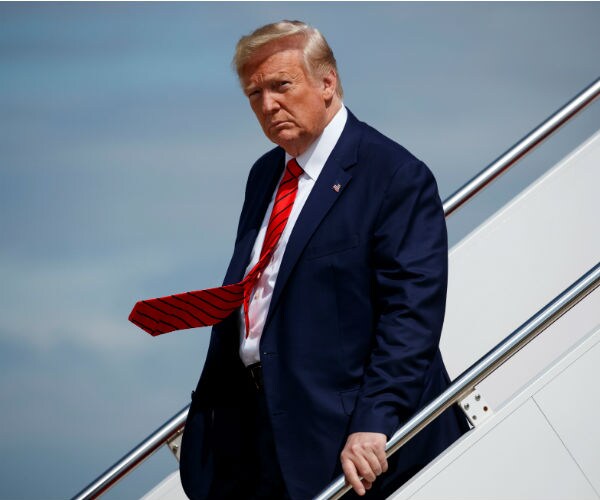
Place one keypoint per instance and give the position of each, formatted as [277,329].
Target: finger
[352,477]
[364,459]
[382,459]
[366,484]
[374,464]
[363,466]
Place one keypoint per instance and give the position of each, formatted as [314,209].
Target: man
[330,320]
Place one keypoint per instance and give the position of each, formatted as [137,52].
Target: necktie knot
[294,169]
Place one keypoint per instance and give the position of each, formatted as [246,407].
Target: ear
[329,82]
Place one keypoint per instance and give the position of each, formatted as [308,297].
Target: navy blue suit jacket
[351,339]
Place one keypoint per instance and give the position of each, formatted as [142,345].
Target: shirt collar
[313,159]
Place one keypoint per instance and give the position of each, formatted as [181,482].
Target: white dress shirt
[312,162]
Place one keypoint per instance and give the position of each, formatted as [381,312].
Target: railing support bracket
[476,408]
[174,444]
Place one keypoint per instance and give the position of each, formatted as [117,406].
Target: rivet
[477,397]
[466,406]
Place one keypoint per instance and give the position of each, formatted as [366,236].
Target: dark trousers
[269,483]
[246,464]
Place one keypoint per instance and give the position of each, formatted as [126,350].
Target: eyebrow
[281,75]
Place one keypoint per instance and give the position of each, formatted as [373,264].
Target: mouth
[280,124]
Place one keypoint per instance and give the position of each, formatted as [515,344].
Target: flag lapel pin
[337,187]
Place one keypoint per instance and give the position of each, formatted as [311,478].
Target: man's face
[292,107]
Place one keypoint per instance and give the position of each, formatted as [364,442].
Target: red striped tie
[207,307]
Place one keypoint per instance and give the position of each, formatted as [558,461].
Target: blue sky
[124,147]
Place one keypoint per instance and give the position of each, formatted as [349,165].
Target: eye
[253,93]
[283,84]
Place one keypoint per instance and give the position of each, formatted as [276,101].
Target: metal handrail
[521,148]
[136,456]
[467,381]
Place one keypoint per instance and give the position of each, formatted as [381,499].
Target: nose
[269,103]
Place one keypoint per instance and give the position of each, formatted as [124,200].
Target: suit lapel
[261,191]
[329,187]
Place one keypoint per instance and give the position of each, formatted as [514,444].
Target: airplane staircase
[532,397]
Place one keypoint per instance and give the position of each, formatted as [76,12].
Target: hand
[363,455]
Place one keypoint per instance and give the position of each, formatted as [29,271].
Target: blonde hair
[318,56]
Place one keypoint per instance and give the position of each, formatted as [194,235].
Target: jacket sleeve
[410,267]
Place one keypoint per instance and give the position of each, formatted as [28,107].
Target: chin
[285,140]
